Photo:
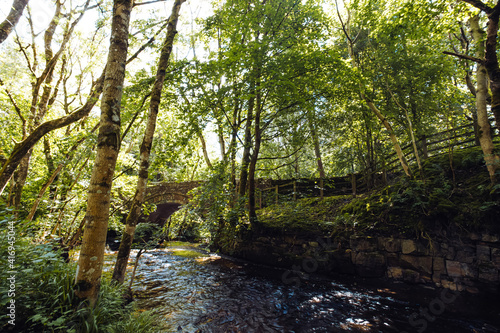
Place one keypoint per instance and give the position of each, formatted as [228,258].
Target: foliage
[45,297]
[214,203]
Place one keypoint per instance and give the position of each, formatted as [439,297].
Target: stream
[197,291]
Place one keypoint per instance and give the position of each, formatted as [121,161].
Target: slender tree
[90,263]
[491,158]
[140,192]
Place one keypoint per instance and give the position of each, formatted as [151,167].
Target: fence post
[353,182]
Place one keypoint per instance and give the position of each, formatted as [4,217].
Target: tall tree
[145,151]
[90,263]
[490,53]
[491,157]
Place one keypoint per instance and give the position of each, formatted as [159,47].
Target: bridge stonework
[170,192]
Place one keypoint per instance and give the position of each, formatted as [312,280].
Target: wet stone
[409,246]
[411,276]
[389,244]
[420,264]
[395,273]
[367,244]
[370,264]
[488,272]
[453,268]
[483,253]
[495,257]
[467,254]
[490,238]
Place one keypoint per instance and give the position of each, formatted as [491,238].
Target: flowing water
[195,291]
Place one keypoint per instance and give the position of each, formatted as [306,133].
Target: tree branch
[464,56]
[480,5]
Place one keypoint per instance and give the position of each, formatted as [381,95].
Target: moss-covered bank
[439,228]
[454,192]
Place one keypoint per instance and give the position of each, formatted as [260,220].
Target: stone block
[391,245]
[411,276]
[395,273]
[438,269]
[438,265]
[419,264]
[365,244]
[490,238]
[453,268]
[474,236]
[460,269]
[447,251]
[495,257]
[468,270]
[392,259]
[449,284]
[409,246]
[466,254]
[483,253]
[488,272]
[370,264]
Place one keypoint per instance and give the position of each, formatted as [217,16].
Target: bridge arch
[168,198]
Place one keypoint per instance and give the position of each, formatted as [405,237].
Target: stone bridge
[168,197]
[170,192]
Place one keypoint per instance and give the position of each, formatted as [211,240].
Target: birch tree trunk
[90,263]
[140,192]
[490,157]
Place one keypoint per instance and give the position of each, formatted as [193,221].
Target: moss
[451,191]
[304,215]
[186,253]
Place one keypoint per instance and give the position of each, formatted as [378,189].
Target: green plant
[44,294]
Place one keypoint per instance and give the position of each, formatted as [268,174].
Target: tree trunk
[19,180]
[255,156]
[492,160]
[204,149]
[491,64]
[16,11]
[140,192]
[245,160]
[89,269]
[392,135]
[50,166]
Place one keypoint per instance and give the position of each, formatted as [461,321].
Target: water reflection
[202,292]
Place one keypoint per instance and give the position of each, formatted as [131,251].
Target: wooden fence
[273,191]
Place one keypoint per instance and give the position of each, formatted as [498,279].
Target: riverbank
[440,229]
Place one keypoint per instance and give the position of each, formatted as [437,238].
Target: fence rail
[273,191]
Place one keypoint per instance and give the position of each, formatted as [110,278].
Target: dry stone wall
[470,263]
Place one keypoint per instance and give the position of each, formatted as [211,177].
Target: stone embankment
[469,263]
